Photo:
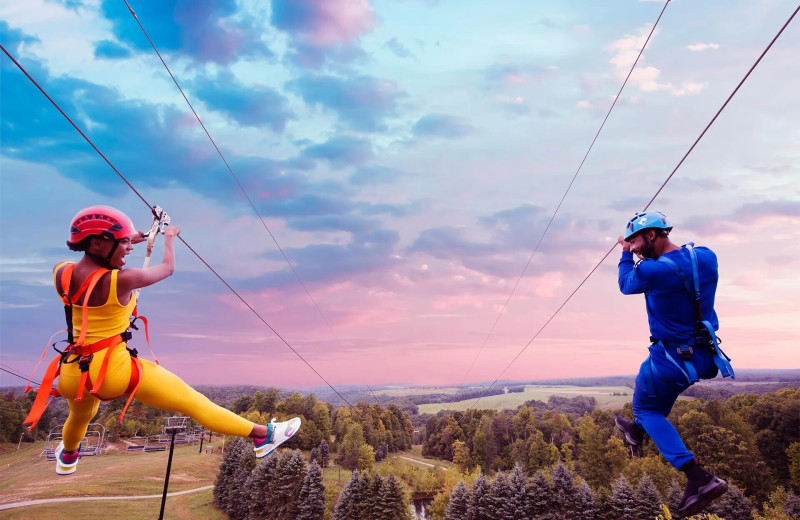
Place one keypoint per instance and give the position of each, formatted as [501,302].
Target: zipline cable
[691,148]
[14,372]
[569,187]
[235,178]
[150,208]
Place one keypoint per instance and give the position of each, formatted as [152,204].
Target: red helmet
[100,220]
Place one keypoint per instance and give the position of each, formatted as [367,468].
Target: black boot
[702,488]
[633,433]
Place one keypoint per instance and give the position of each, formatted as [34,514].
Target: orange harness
[83,353]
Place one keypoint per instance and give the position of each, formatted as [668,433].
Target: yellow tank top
[106,320]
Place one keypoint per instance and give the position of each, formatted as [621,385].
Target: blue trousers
[659,383]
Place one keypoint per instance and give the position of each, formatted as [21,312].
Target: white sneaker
[279,432]
[62,467]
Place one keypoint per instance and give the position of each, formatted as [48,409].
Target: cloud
[372,175]
[364,102]
[203,30]
[111,50]
[518,73]
[341,151]
[13,38]
[697,47]
[441,125]
[399,50]
[645,78]
[323,30]
[249,105]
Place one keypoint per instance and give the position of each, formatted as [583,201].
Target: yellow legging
[158,387]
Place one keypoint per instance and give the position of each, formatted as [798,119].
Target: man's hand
[138,238]
[626,246]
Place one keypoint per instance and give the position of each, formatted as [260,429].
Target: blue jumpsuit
[672,319]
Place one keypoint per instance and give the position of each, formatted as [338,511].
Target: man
[679,284]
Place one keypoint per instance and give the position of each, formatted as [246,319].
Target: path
[417,461]
[84,499]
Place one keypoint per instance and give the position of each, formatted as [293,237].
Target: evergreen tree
[518,502]
[500,498]
[347,506]
[323,453]
[792,506]
[314,455]
[479,500]
[275,485]
[540,498]
[237,464]
[733,504]
[647,499]
[562,490]
[584,503]
[622,503]
[458,505]
[392,503]
[311,501]
[602,501]
[674,497]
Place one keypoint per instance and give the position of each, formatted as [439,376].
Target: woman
[99,295]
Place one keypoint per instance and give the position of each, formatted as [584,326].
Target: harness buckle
[84,362]
[126,336]
[685,352]
[133,352]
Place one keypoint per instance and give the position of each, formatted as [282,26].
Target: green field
[603,395]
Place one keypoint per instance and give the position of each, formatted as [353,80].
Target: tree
[347,506]
[541,453]
[584,504]
[366,457]
[236,466]
[501,499]
[461,456]
[562,484]
[733,504]
[458,505]
[540,496]
[311,500]
[274,486]
[350,449]
[647,499]
[392,501]
[793,456]
[480,500]
[622,503]
[323,453]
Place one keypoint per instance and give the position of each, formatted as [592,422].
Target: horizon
[406,157]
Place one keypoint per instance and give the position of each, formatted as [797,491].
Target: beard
[648,250]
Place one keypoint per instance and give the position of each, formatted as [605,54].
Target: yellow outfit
[157,387]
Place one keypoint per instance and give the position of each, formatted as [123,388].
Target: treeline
[751,441]
[282,486]
[557,493]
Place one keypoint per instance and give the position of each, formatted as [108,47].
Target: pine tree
[314,455]
[647,499]
[348,503]
[792,505]
[237,464]
[584,503]
[259,487]
[733,504]
[392,503]
[224,482]
[479,503]
[458,505]
[518,502]
[324,453]
[540,497]
[500,498]
[240,493]
[622,500]
[275,485]
[674,497]
[311,501]
[562,490]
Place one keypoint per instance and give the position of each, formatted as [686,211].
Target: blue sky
[407,156]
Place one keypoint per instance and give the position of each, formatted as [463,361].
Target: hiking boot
[633,433]
[277,434]
[66,462]
[695,502]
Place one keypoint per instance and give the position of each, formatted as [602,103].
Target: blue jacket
[670,308]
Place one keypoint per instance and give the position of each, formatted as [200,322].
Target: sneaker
[278,433]
[633,433]
[66,463]
[705,494]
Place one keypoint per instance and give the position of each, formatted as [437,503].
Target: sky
[407,156]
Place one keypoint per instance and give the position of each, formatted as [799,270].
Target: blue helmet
[647,220]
